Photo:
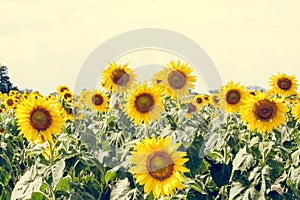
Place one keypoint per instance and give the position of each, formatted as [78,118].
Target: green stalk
[146,131]
[51,153]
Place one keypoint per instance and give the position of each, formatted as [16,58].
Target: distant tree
[5,84]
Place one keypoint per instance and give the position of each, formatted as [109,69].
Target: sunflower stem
[51,153]
[146,131]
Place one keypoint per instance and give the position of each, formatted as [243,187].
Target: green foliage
[226,160]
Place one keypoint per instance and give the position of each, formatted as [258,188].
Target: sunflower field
[154,140]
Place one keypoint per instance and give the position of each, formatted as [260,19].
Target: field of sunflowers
[152,140]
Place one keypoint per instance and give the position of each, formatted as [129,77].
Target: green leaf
[240,192]
[110,175]
[295,176]
[30,182]
[243,160]
[193,195]
[63,184]
[194,155]
[236,190]
[57,171]
[89,137]
[105,145]
[120,190]
[4,177]
[5,162]
[36,196]
[220,173]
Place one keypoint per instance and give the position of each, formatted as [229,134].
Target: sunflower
[118,78]
[67,96]
[66,112]
[158,166]
[52,98]
[296,111]
[10,102]
[175,79]
[200,100]
[191,108]
[77,110]
[164,88]
[2,129]
[294,99]
[62,88]
[2,110]
[97,100]
[38,117]
[83,95]
[144,104]
[13,92]
[232,96]
[214,100]
[263,114]
[283,84]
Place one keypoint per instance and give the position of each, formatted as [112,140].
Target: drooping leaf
[120,190]
[30,182]
[220,173]
[57,171]
[243,160]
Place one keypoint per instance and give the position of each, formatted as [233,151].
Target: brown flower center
[97,99]
[144,103]
[160,165]
[265,110]
[177,79]
[40,119]
[120,77]
[233,96]
[67,95]
[215,99]
[284,83]
[191,108]
[63,89]
[199,100]
[10,102]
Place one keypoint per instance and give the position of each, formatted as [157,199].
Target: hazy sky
[44,43]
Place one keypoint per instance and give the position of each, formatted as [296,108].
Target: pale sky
[44,43]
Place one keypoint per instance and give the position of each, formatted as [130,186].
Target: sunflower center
[97,99]
[284,83]
[233,96]
[10,102]
[120,77]
[199,100]
[191,108]
[215,99]
[40,119]
[144,103]
[67,95]
[160,165]
[265,110]
[63,89]
[177,79]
